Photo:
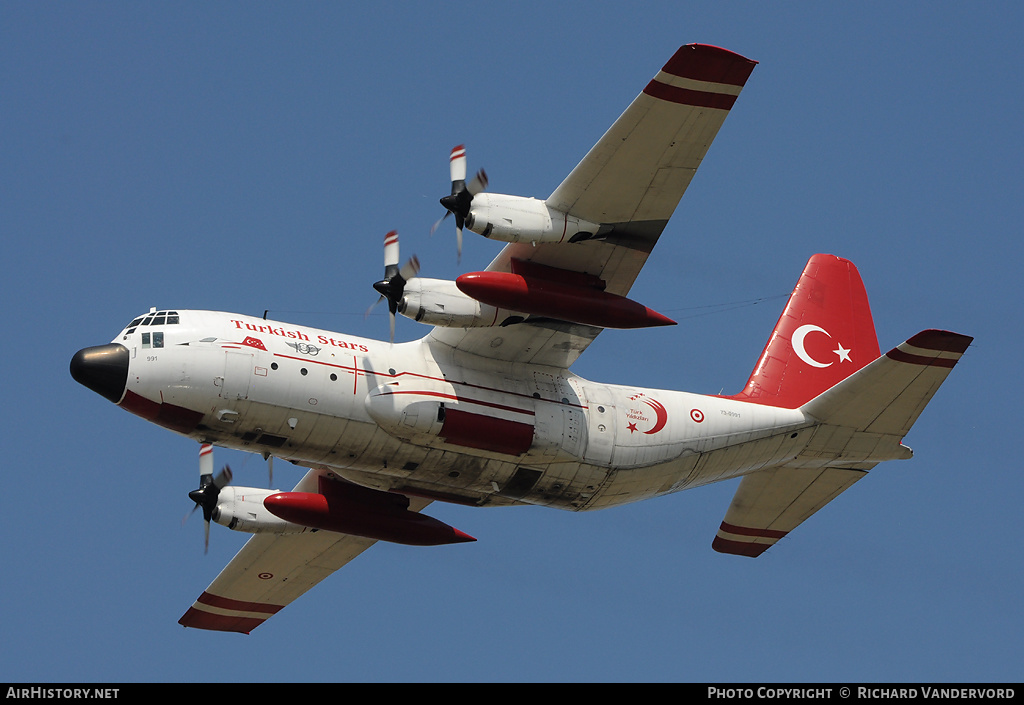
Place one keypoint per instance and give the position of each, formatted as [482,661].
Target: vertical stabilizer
[824,335]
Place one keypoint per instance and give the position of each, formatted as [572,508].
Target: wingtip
[942,341]
[739,548]
[704,62]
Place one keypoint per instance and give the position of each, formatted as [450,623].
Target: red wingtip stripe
[197,619]
[752,550]
[760,540]
[924,361]
[752,531]
[246,619]
[932,348]
[686,96]
[226,603]
[942,340]
[702,62]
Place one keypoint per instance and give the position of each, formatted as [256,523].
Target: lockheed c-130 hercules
[484,410]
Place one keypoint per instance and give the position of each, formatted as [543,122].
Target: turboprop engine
[436,302]
[243,509]
[336,506]
[507,218]
[439,302]
[518,219]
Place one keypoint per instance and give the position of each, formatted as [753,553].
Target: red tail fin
[824,335]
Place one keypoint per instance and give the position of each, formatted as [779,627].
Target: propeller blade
[457,163]
[390,252]
[206,496]
[372,306]
[392,287]
[437,224]
[410,269]
[223,479]
[270,468]
[460,200]
[205,463]
[478,184]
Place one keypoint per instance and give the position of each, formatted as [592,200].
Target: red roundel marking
[265,576]
[697,415]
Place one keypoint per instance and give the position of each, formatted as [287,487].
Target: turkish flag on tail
[824,335]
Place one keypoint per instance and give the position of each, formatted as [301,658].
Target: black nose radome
[103,369]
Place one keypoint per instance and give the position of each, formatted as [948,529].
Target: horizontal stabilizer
[888,395]
[769,504]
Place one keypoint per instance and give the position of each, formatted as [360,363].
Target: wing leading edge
[630,182]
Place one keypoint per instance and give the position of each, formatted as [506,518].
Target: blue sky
[250,156]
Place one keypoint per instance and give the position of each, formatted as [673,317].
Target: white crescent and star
[798,346]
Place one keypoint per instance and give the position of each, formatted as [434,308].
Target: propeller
[209,488]
[270,468]
[392,286]
[461,198]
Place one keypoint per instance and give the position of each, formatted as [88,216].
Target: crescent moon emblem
[798,344]
[661,415]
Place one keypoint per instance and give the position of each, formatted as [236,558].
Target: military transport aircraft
[484,410]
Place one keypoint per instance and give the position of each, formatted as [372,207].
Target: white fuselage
[405,417]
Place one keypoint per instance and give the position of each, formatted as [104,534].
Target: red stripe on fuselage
[355,369]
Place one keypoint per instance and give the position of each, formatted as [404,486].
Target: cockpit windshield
[152,338]
[153,318]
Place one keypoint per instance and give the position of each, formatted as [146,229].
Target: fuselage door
[237,373]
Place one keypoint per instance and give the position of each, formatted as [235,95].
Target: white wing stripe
[695,85]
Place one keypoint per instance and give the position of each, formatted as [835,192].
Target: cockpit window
[154,318]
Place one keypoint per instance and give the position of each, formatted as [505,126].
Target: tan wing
[272,570]
[630,183]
